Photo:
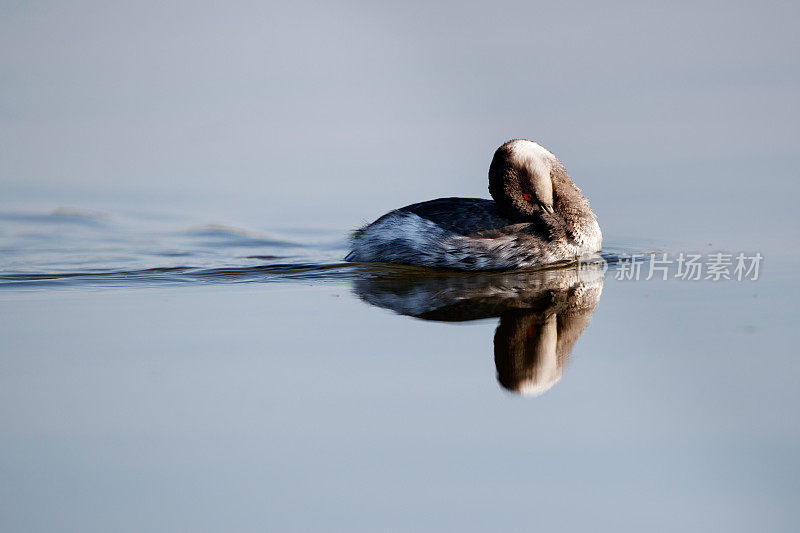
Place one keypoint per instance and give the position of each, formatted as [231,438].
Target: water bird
[537,216]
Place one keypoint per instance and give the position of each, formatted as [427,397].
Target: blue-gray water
[165,376]
[183,348]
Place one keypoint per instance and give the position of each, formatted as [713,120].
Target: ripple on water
[77,248]
[220,235]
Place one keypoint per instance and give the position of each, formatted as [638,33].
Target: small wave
[59,216]
[221,235]
[181,275]
[263,273]
[77,214]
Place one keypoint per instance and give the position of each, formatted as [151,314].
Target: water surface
[160,375]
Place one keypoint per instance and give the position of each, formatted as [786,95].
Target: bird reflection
[542,313]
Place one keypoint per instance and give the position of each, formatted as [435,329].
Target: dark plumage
[538,216]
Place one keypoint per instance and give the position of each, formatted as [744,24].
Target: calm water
[160,375]
[182,347]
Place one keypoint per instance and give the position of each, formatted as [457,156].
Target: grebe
[538,216]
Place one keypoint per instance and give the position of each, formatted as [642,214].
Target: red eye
[527,196]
